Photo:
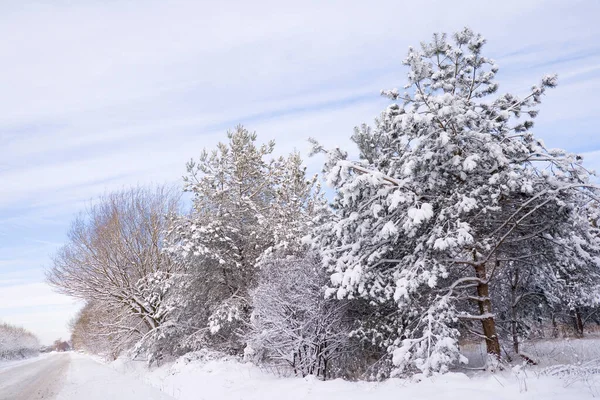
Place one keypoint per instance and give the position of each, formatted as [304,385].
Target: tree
[89,332]
[16,342]
[451,187]
[61,345]
[292,322]
[114,261]
[539,282]
[245,204]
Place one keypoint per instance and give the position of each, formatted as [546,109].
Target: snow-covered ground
[195,377]
[546,352]
[87,379]
[202,376]
[70,376]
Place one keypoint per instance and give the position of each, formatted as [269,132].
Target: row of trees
[16,342]
[455,222]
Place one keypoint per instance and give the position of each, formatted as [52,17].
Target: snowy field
[547,352]
[196,376]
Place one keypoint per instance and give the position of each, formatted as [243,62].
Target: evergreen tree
[246,204]
[450,182]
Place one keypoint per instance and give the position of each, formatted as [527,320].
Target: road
[70,376]
[41,379]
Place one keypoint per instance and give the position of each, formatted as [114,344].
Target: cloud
[48,323]
[38,294]
[36,307]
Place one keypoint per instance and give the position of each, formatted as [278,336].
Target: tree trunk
[515,335]
[488,323]
[554,326]
[294,364]
[513,311]
[578,322]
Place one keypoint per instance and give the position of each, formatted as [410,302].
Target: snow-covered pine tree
[246,203]
[449,180]
[576,283]
[298,207]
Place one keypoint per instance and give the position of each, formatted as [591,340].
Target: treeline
[455,223]
[16,342]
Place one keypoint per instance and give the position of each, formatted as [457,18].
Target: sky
[101,95]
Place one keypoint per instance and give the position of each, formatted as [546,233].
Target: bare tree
[114,259]
[292,322]
[90,333]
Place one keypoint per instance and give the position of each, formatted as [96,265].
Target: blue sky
[97,95]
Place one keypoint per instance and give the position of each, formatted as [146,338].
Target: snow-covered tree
[292,322]
[87,333]
[114,261]
[246,203]
[537,283]
[16,342]
[450,182]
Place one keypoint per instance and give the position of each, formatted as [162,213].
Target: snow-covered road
[39,379]
[70,377]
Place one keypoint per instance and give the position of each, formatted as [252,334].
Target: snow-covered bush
[292,322]
[16,342]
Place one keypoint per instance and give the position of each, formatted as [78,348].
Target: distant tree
[89,332]
[16,342]
[61,345]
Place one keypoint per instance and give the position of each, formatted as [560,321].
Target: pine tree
[451,182]
[246,204]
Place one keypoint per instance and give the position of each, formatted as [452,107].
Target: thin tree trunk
[301,365]
[554,326]
[578,322]
[488,323]
[515,335]
[513,311]
[294,364]
[324,356]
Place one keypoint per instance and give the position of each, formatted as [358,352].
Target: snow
[419,215]
[470,163]
[201,376]
[229,379]
[7,364]
[388,230]
[88,379]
